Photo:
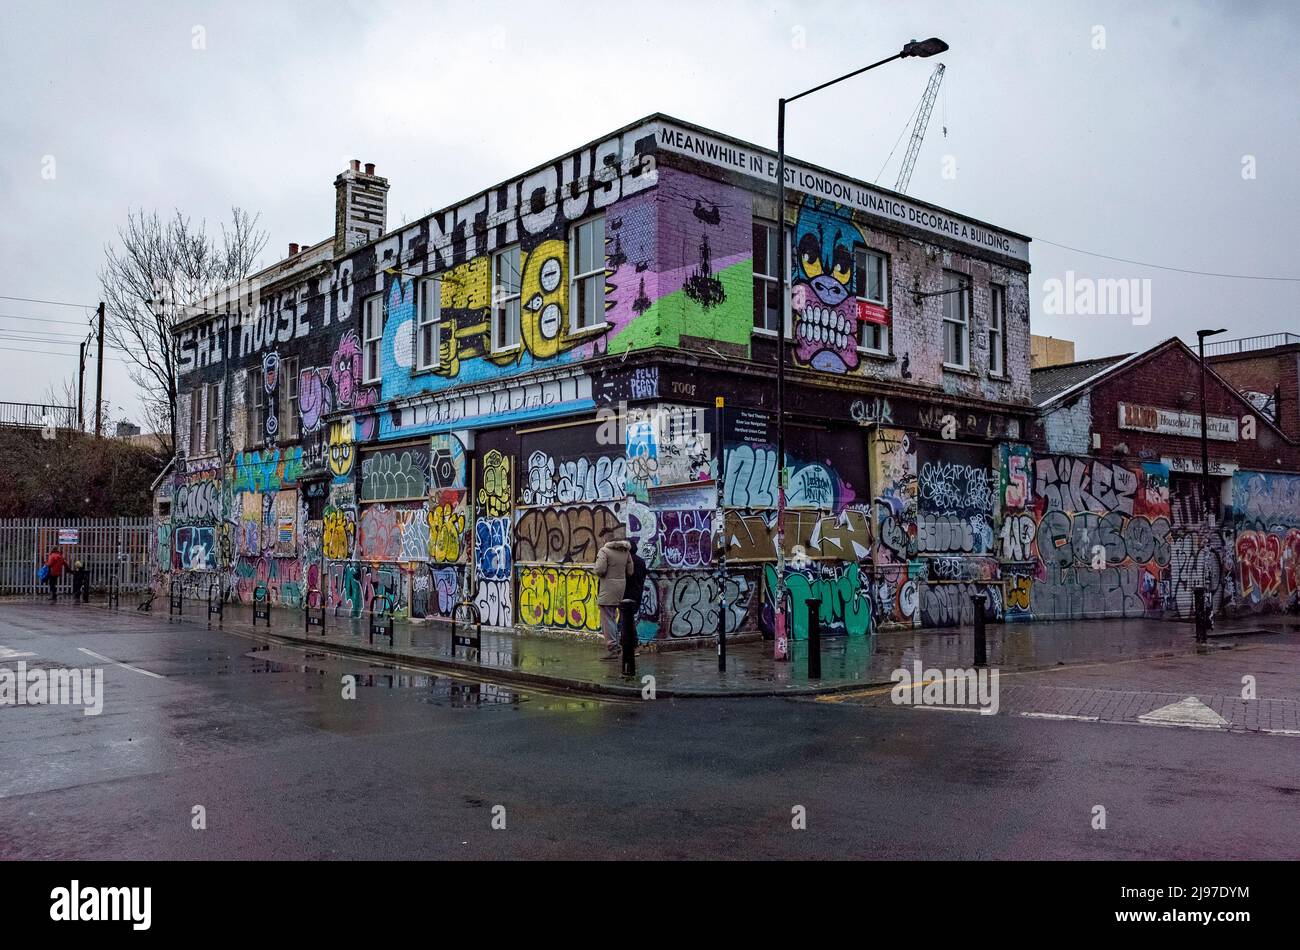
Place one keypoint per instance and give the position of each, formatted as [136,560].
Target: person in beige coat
[613,567]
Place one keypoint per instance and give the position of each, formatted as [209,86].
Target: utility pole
[99,378]
[81,386]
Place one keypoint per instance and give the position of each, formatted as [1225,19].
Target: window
[587,265]
[288,397]
[372,331]
[197,399]
[956,320]
[256,408]
[214,429]
[997,330]
[428,313]
[873,287]
[505,299]
[767,289]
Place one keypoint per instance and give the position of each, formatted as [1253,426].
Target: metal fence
[109,547]
[36,415]
[1250,343]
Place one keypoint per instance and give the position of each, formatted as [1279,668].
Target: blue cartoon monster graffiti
[826,321]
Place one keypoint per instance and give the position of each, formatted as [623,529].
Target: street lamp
[922,48]
[1205,438]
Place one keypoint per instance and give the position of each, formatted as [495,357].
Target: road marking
[133,669]
[1038,715]
[1186,712]
[880,691]
[1282,732]
[8,654]
[965,709]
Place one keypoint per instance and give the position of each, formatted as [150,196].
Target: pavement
[848,664]
[1211,690]
[283,763]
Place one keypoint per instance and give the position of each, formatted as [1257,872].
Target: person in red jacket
[54,563]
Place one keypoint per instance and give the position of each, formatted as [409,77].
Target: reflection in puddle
[440,690]
[322,671]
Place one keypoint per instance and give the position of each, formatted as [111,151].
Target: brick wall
[1169,379]
[1271,373]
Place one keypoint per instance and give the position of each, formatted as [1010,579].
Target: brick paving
[1026,694]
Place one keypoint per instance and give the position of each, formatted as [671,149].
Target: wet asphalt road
[412,767]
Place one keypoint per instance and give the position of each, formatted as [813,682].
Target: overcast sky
[1135,150]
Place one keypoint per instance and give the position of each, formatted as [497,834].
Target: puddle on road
[435,689]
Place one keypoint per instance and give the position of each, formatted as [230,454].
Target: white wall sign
[488,405]
[1171,422]
[761,164]
[1193,466]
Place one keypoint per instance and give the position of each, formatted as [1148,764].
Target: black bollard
[981,648]
[1198,609]
[722,635]
[628,636]
[814,640]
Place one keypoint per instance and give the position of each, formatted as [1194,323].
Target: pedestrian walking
[613,567]
[54,565]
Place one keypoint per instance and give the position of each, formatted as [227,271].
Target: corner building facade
[479,399]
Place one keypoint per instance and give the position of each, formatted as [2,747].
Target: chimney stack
[293,249]
[360,207]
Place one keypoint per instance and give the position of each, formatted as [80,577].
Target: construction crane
[918,131]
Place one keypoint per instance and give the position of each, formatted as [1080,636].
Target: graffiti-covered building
[258,367]
[465,408]
[1121,523]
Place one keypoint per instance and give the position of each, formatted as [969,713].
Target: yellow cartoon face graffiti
[494,496]
[544,298]
[341,438]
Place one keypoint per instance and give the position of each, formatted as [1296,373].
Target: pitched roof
[1048,381]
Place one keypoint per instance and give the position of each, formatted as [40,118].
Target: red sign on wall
[873,313]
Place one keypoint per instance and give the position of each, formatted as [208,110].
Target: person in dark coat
[80,582]
[635,589]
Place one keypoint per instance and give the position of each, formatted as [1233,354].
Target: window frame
[998,312]
[196,419]
[287,408]
[427,290]
[885,286]
[502,300]
[213,429]
[775,279]
[576,279]
[962,292]
[374,304]
[768,278]
[257,408]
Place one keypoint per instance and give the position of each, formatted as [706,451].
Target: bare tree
[159,276]
[62,392]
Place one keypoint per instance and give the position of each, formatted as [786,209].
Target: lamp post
[923,48]
[1205,438]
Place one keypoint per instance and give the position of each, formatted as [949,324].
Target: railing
[35,415]
[1249,343]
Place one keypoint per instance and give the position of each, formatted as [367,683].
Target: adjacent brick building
[1117,463]
[1266,370]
